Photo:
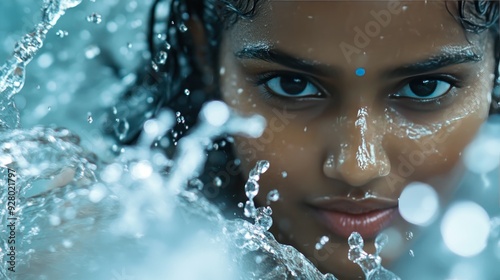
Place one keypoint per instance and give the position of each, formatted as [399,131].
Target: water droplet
[329,276]
[94,18]
[89,118]
[262,166]
[409,235]
[355,240]
[217,182]
[161,58]
[249,210]
[284,174]
[412,254]
[183,27]
[121,128]
[263,218]
[240,205]
[92,51]
[380,242]
[196,183]
[355,254]
[187,92]
[273,195]
[251,189]
[54,220]
[129,45]
[67,243]
[321,243]
[61,33]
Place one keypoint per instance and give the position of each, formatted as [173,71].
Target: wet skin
[348,137]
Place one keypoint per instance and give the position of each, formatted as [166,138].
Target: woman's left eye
[424,89]
[292,86]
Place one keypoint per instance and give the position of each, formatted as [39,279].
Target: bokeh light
[465,228]
[418,203]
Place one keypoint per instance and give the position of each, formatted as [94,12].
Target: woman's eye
[292,86]
[424,89]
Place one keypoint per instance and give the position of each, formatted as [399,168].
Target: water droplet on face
[284,174]
[94,18]
[273,196]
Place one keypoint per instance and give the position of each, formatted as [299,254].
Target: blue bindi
[360,72]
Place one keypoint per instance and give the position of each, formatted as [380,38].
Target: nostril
[356,170]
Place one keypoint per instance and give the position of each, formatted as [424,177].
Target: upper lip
[352,205]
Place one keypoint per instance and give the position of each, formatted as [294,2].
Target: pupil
[423,88]
[293,85]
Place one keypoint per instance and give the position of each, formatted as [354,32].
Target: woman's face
[361,98]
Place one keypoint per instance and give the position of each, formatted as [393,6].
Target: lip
[367,216]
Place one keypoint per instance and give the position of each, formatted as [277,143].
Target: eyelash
[262,79]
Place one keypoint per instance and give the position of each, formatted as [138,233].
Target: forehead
[353,31]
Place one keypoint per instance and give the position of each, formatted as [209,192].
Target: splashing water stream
[131,213]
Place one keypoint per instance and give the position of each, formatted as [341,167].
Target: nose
[359,156]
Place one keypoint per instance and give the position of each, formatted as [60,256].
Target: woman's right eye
[292,86]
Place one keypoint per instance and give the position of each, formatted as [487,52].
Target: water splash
[371,264]
[12,73]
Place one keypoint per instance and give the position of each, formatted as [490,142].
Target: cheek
[430,150]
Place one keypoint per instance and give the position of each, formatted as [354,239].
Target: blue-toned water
[118,216]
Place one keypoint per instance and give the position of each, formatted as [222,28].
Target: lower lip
[367,224]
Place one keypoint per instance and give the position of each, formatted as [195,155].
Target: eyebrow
[279,57]
[448,57]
